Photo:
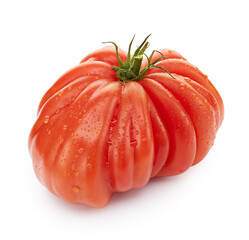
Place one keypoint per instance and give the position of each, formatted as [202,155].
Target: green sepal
[130,70]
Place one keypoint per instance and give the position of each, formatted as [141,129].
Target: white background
[40,40]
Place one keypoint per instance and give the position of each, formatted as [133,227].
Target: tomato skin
[106,54]
[131,152]
[96,69]
[197,107]
[184,68]
[180,128]
[94,136]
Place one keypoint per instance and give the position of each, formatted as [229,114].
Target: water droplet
[182,86]
[77,174]
[49,132]
[72,98]
[46,119]
[60,93]
[76,189]
[80,150]
[178,125]
[133,143]
[58,110]
[113,121]
[107,164]
[80,121]
[64,127]
[96,77]
[73,166]
[109,142]
[61,140]
[89,166]
[75,141]
[188,80]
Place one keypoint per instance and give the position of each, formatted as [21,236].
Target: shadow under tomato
[58,202]
[151,189]
[154,185]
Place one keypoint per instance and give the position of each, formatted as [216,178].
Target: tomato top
[130,69]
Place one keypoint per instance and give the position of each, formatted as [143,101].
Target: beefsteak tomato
[116,120]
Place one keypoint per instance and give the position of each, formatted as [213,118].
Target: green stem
[130,70]
[135,68]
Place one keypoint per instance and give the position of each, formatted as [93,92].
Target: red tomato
[115,120]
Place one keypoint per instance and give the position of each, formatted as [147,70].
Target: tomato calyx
[130,70]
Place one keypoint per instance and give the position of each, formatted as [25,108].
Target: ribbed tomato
[115,120]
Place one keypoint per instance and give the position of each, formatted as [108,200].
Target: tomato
[116,120]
